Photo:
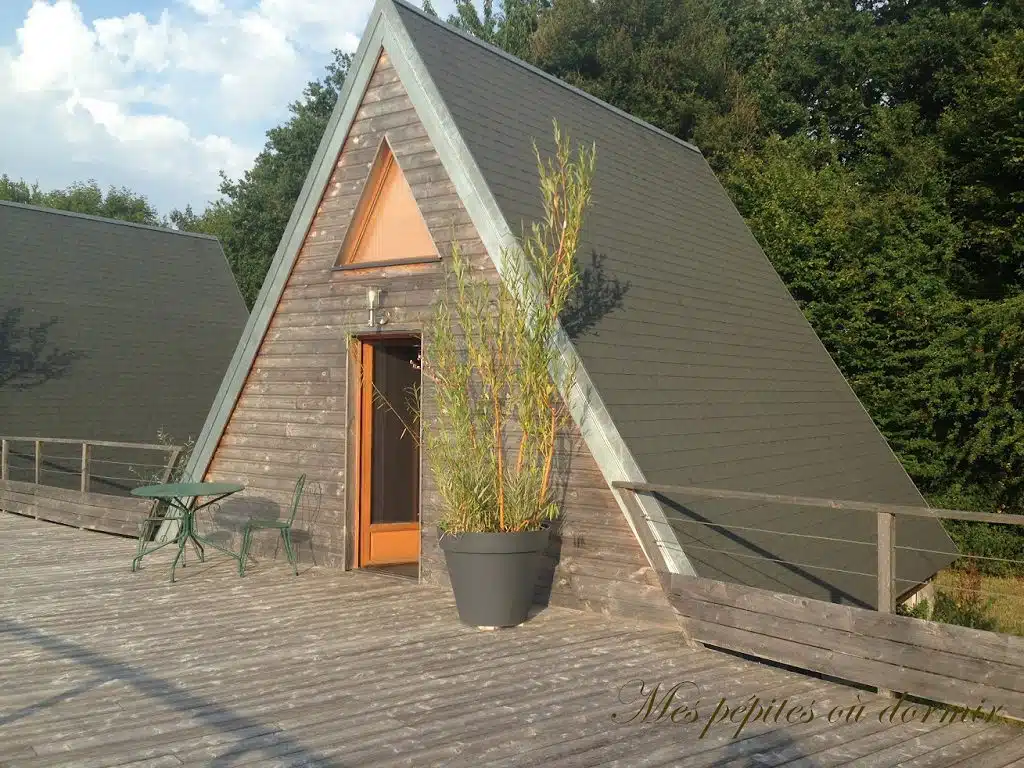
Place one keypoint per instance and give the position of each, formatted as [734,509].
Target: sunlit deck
[103,667]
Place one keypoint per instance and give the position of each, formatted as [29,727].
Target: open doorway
[388,458]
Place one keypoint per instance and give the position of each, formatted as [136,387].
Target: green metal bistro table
[184,497]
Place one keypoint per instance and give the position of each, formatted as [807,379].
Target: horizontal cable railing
[750,598]
[884,542]
[102,463]
[84,483]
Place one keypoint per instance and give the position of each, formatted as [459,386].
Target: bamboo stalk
[549,458]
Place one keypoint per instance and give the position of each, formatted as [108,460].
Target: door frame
[362,445]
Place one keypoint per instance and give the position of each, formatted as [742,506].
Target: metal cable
[49,457]
[973,557]
[787,562]
[777,533]
[126,479]
[93,476]
[128,463]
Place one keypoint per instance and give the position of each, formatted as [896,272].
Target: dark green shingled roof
[707,366]
[135,326]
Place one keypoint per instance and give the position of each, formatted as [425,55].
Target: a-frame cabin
[694,364]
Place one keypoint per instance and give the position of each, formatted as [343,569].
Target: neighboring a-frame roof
[695,365]
[113,330]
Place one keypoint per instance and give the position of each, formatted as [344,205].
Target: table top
[181,490]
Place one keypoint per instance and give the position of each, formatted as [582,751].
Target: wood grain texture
[295,411]
[333,669]
[92,511]
[942,662]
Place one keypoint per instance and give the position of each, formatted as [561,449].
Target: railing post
[171,461]
[86,453]
[886,560]
[39,461]
[5,458]
[886,568]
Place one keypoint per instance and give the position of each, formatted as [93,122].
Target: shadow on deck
[103,667]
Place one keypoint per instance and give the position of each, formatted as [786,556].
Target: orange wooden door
[389,482]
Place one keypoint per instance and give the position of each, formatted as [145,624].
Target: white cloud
[161,101]
[206,7]
[137,44]
[56,51]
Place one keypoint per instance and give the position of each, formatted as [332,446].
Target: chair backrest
[299,487]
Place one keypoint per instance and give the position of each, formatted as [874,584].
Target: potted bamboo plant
[496,382]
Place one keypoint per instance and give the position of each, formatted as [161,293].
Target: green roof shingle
[135,326]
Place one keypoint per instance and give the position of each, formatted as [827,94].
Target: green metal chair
[284,526]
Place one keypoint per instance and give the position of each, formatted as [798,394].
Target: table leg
[193,534]
[141,551]
[182,538]
[184,529]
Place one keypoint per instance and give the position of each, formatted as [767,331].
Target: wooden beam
[941,662]
[171,461]
[365,448]
[886,543]
[99,443]
[86,453]
[804,501]
[643,531]
[39,461]
[886,561]
[5,457]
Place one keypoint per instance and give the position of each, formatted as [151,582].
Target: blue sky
[157,95]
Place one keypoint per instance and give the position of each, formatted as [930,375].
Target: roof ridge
[551,78]
[105,220]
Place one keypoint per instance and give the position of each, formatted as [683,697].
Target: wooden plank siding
[91,511]
[941,662]
[294,412]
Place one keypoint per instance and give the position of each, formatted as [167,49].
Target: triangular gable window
[387,226]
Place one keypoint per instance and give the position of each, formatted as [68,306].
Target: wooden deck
[103,667]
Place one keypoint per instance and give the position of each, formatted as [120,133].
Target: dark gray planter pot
[493,574]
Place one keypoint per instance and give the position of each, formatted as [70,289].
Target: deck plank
[104,667]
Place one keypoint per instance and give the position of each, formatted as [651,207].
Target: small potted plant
[495,381]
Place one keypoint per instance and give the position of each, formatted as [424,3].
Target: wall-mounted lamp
[373,304]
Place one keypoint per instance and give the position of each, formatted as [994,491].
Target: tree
[984,143]
[18,191]
[83,197]
[511,28]
[216,220]
[664,61]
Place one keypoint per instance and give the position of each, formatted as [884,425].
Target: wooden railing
[940,662]
[38,481]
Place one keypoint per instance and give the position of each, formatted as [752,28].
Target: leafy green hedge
[988,540]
